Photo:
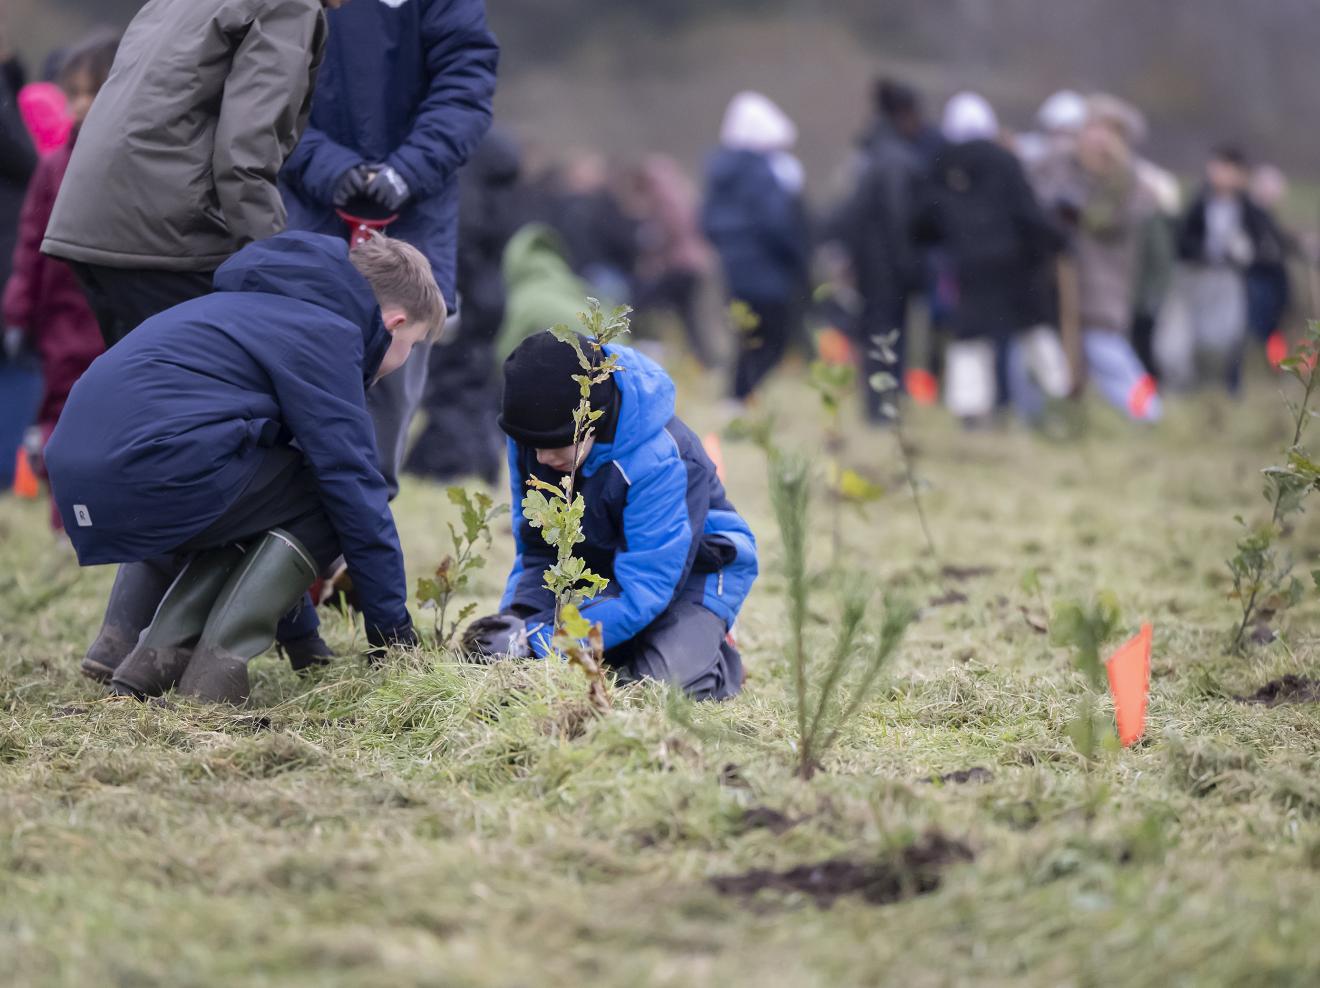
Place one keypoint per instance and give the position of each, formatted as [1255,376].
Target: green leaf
[573,623]
[565,334]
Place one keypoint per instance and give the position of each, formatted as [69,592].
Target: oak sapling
[884,351]
[454,574]
[557,509]
[1262,575]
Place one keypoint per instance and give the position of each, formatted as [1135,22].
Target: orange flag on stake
[1129,682]
[715,452]
[26,484]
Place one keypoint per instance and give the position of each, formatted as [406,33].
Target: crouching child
[679,557]
[224,453]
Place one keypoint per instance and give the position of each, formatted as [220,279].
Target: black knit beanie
[540,394]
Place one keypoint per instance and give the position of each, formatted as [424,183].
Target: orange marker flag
[25,481]
[1129,682]
[716,453]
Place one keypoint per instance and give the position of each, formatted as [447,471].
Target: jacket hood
[968,117]
[315,269]
[535,250]
[754,122]
[646,405]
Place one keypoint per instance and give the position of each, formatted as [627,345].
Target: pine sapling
[557,509]
[454,574]
[821,714]
[1085,629]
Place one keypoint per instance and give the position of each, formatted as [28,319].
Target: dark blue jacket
[164,431]
[757,226]
[408,83]
[658,525]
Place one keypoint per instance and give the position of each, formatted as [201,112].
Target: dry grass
[436,824]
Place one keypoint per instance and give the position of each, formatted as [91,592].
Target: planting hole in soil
[916,870]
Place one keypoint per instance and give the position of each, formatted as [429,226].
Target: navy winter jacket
[757,226]
[658,525]
[406,83]
[165,430]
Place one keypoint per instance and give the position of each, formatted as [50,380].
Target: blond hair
[400,275]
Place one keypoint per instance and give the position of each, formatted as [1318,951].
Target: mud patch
[764,818]
[963,775]
[961,573]
[945,599]
[1289,689]
[916,870]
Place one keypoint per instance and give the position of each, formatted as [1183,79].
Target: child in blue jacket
[224,453]
[679,557]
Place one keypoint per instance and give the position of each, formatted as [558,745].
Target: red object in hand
[360,228]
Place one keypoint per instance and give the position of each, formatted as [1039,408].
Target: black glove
[497,635]
[382,640]
[354,183]
[388,189]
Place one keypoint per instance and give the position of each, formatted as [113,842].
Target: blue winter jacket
[165,430]
[407,83]
[658,524]
[757,227]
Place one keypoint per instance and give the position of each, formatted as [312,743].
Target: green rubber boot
[275,574]
[162,653]
[136,594]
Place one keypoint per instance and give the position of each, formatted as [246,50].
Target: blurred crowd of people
[1007,269]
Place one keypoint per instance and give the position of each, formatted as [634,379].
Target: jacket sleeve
[462,57]
[660,533]
[266,99]
[317,164]
[20,298]
[323,403]
[525,593]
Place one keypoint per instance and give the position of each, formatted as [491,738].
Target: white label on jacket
[393,3]
[82,516]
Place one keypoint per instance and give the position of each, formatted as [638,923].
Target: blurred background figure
[875,227]
[460,438]
[541,288]
[1220,238]
[20,374]
[674,261]
[1058,121]
[1094,190]
[754,216]
[42,300]
[600,238]
[1269,285]
[981,208]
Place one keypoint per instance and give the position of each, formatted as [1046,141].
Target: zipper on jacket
[719,584]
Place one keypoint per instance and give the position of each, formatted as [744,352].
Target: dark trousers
[761,348]
[283,494]
[880,318]
[462,404]
[124,298]
[678,291]
[687,646]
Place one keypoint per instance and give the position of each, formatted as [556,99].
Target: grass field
[433,823]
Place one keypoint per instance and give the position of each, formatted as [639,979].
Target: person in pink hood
[45,110]
[42,300]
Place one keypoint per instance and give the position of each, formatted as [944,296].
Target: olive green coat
[175,165]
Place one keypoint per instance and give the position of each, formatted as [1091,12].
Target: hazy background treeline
[632,75]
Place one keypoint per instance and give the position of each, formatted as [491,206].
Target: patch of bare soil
[916,870]
[1289,689]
